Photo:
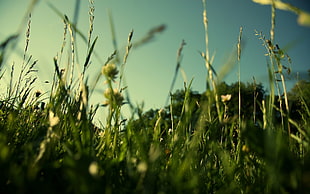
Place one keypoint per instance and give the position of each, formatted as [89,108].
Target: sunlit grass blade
[87,60]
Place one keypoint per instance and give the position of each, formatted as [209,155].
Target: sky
[150,67]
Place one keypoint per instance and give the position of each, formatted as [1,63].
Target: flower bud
[113,96]
[226,98]
[110,71]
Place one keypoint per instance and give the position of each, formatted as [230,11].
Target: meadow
[229,139]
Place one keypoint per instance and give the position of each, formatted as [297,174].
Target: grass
[48,142]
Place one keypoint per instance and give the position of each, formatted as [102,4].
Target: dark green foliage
[185,158]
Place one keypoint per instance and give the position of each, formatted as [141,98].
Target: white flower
[54,120]
[226,98]
[170,131]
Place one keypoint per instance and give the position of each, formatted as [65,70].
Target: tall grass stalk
[276,75]
[239,74]
[72,51]
[114,42]
[255,94]
[76,13]
[176,71]
[21,90]
[122,67]
[239,49]
[90,47]
[210,78]
[25,61]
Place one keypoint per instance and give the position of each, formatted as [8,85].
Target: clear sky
[150,68]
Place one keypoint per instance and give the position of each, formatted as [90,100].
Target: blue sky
[150,68]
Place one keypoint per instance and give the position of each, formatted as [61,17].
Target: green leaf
[90,52]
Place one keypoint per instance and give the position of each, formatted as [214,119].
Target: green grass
[200,143]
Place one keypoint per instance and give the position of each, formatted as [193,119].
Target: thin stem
[208,63]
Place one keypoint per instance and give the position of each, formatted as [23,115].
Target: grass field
[49,143]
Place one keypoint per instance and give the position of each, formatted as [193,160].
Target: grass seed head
[110,71]
[113,96]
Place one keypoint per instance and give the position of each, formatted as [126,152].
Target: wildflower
[110,71]
[113,96]
[93,169]
[226,98]
[142,167]
[54,120]
[101,134]
[170,131]
[245,148]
